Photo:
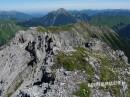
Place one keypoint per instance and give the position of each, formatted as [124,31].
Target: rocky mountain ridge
[60,64]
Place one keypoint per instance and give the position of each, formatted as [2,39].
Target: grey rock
[26,65]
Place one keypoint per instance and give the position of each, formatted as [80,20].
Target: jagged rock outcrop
[121,55]
[27,65]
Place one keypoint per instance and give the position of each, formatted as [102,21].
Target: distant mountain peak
[61,11]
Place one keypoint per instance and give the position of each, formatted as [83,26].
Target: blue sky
[47,5]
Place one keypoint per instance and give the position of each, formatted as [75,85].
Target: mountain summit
[58,17]
[61,10]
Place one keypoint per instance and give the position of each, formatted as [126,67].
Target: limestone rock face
[121,55]
[26,65]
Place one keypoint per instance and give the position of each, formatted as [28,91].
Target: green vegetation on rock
[107,66]
[16,86]
[119,24]
[75,61]
[128,90]
[110,21]
[41,29]
[114,90]
[84,91]
[106,74]
[55,28]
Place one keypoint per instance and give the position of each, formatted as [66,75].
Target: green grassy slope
[8,29]
[120,24]
[110,21]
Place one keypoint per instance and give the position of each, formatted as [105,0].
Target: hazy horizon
[49,5]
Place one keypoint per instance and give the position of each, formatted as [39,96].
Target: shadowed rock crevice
[0,92]
[48,46]
[31,49]
[46,90]
[46,78]
[40,42]
[21,39]
[22,94]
